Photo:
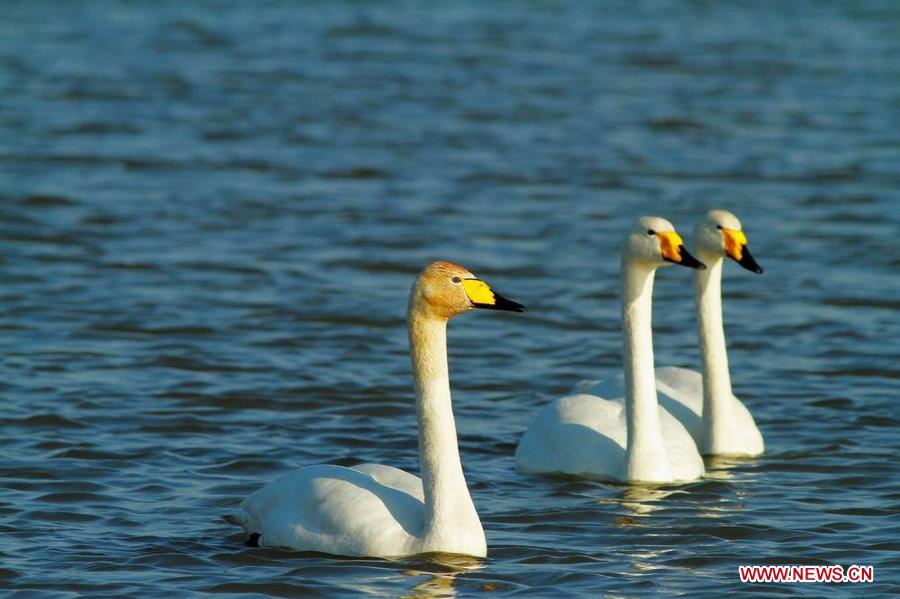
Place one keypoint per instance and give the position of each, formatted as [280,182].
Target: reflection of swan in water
[640,501]
[719,467]
[441,570]
[730,482]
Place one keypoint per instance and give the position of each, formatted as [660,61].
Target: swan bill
[672,248]
[748,262]
[736,249]
[501,303]
[687,259]
[482,296]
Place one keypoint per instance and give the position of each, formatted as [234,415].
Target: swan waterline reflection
[433,574]
[643,500]
[650,509]
[440,572]
[723,467]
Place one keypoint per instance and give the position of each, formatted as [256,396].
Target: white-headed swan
[717,420]
[634,441]
[380,511]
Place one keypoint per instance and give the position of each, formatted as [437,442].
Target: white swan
[380,511]
[717,420]
[637,441]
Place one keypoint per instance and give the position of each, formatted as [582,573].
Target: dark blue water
[210,216]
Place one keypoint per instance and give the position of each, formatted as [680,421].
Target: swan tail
[584,385]
[235,518]
[239,519]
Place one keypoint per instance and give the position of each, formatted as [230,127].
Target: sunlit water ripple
[211,216]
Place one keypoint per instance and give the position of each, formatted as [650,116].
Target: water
[211,216]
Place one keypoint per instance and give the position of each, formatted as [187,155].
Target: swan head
[721,234]
[445,289]
[653,240]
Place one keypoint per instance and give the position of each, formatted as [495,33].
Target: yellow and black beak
[673,250]
[482,296]
[736,248]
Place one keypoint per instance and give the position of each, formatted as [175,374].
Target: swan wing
[680,393]
[747,438]
[394,478]
[581,435]
[685,461]
[336,510]
[612,386]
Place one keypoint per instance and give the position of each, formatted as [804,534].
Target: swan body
[718,422]
[381,511]
[587,436]
[629,440]
[680,395]
[342,511]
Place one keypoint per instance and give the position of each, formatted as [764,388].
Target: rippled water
[211,216]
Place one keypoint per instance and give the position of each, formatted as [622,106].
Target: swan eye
[651,232]
[455,280]
[719,227]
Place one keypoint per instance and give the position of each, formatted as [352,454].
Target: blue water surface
[211,214]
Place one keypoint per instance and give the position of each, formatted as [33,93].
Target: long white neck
[646,457]
[717,404]
[448,504]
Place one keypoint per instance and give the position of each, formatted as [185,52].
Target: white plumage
[381,511]
[630,440]
[718,422]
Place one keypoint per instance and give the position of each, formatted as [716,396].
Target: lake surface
[211,217]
